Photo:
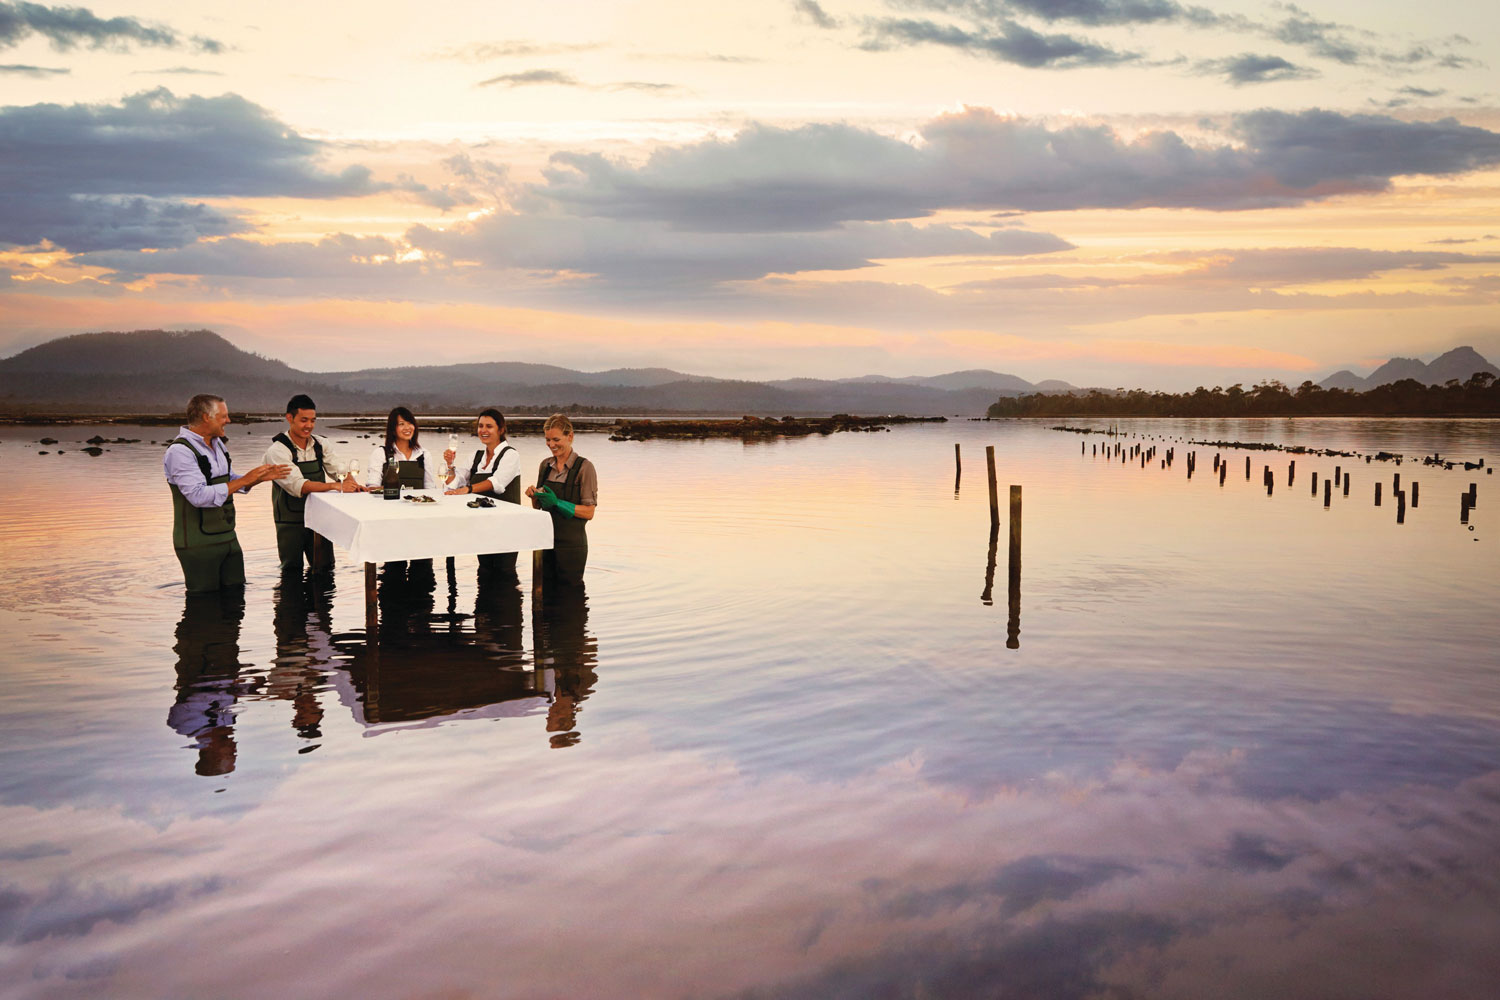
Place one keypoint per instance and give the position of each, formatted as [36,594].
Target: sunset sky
[1110,192]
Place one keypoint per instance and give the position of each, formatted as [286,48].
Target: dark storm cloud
[1251,68]
[129,165]
[1007,42]
[817,176]
[41,72]
[70,27]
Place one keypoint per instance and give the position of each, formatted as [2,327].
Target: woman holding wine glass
[402,444]
[496,470]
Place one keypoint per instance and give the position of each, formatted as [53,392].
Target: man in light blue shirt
[203,487]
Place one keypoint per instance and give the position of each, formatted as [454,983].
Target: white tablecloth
[373,529]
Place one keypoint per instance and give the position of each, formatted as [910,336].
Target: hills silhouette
[156,371]
[150,371]
[1460,363]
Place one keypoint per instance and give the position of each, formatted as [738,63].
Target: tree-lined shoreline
[1478,396]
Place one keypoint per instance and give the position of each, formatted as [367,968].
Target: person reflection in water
[304,647]
[208,682]
[564,646]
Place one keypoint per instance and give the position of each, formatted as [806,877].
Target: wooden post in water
[1377,494]
[1463,508]
[1337,472]
[372,606]
[1396,485]
[1414,488]
[989,457]
[1247,466]
[1327,492]
[958,468]
[1400,496]
[1346,484]
[1223,468]
[1315,484]
[1473,495]
[1291,473]
[1013,619]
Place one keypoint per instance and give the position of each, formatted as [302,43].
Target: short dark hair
[496,416]
[402,413]
[301,401]
[200,406]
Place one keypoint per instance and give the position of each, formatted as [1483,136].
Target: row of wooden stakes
[1468,501]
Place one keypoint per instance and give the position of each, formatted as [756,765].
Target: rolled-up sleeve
[280,454]
[588,485]
[181,466]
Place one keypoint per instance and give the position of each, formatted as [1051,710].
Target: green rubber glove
[546,498]
[566,508]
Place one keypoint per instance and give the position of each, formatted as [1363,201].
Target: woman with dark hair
[567,487]
[496,470]
[402,443]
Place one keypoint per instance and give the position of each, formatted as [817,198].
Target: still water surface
[1245,746]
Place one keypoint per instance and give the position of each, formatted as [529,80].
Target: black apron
[414,473]
[570,541]
[496,562]
[512,491]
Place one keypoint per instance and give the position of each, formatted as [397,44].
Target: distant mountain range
[156,371]
[1460,363]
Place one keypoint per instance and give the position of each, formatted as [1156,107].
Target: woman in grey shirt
[567,487]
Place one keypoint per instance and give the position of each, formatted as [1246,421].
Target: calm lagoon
[1245,746]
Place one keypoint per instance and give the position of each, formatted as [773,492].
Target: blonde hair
[558,420]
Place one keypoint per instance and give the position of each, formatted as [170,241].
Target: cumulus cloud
[1249,67]
[648,255]
[816,176]
[70,27]
[127,166]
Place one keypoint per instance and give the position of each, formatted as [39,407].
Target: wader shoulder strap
[202,458]
[474,467]
[317,450]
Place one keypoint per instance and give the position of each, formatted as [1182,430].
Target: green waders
[569,554]
[496,562]
[204,538]
[293,540]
